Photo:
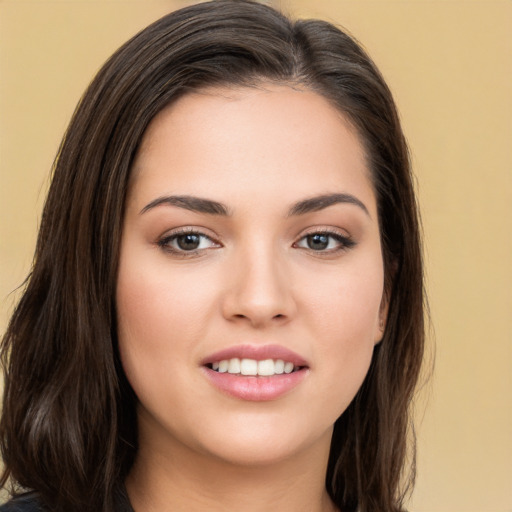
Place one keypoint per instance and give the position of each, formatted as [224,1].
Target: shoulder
[23,503]
[29,502]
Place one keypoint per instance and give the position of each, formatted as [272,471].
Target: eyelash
[165,242]
[343,242]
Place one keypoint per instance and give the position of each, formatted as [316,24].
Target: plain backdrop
[449,64]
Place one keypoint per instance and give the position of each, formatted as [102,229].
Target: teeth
[288,367]
[267,367]
[234,365]
[249,367]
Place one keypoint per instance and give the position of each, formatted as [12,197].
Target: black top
[29,502]
[24,503]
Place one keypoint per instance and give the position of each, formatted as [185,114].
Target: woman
[225,309]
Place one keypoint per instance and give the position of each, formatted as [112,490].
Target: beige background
[449,64]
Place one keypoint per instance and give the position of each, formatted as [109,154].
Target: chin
[257,442]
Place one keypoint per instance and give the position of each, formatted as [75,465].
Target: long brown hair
[68,428]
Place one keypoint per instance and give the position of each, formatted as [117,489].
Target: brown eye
[188,242]
[326,242]
[318,241]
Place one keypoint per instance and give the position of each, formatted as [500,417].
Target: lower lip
[256,389]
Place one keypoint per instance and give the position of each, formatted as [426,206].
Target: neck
[183,480]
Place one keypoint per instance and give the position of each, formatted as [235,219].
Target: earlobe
[380,332]
[383,316]
[386,299]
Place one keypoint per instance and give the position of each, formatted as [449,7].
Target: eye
[325,241]
[186,242]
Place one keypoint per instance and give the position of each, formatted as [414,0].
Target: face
[250,287]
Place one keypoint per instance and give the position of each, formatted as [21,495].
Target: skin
[253,280]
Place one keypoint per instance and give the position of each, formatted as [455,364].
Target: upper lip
[258,352]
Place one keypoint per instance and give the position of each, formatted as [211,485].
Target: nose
[259,291]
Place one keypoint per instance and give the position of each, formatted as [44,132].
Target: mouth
[253,367]
[255,373]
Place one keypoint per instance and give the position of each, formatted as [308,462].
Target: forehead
[226,139]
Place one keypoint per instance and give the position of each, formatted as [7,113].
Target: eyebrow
[317,203]
[195,204]
[210,207]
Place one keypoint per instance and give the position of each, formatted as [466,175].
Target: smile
[255,372]
[265,368]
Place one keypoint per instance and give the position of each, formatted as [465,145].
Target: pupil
[188,242]
[318,241]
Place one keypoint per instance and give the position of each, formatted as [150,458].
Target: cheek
[156,301]
[345,313]
[346,302]
[162,318]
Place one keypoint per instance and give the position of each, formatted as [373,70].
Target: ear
[384,303]
[383,317]
[386,299]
